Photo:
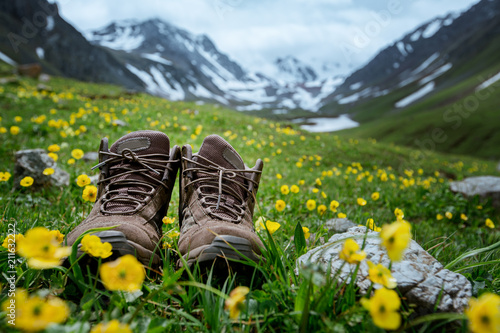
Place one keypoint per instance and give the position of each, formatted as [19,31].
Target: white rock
[422,280]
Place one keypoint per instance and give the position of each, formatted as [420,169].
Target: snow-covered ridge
[177,64]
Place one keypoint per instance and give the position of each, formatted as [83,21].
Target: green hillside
[467,121]
[325,168]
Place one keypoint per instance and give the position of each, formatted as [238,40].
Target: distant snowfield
[328,124]
[416,95]
[6,59]
[489,82]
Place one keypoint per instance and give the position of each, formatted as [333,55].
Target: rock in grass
[91,156]
[484,186]
[32,163]
[339,225]
[422,280]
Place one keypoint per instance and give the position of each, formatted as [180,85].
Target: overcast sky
[254,33]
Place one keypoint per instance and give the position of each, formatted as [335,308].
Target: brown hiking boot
[135,185]
[216,202]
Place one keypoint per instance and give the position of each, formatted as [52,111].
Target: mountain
[156,57]
[437,55]
[33,32]
[290,69]
[177,64]
[438,88]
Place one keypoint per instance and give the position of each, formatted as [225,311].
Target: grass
[279,300]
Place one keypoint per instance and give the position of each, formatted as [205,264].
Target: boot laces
[224,190]
[130,183]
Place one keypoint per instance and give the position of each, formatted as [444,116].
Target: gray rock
[118,122]
[484,186]
[32,162]
[339,225]
[91,156]
[422,280]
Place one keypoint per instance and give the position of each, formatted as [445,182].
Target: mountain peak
[290,69]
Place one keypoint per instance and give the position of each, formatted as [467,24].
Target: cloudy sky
[254,33]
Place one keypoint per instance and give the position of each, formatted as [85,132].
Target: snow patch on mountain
[416,95]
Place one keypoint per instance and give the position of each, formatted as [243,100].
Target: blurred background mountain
[436,87]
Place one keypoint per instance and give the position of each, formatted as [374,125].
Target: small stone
[118,122]
[91,156]
[33,162]
[339,225]
[483,186]
[421,279]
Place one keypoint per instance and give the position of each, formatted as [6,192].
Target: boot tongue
[218,151]
[140,143]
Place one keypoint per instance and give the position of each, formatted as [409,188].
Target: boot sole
[222,247]
[122,246]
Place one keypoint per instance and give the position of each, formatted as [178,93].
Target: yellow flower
[381,275]
[34,313]
[383,308]
[173,234]
[18,119]
[53,156]
[5,176]
[14,130]
[280,205]
[350,252]
[92,245]
[439,217]
[302,182]
[42,248]
[375,195]
[77,154]
[298,164]
[235,301]
[48,171]
[294,189]
[168,220]
[113,326]
[12,239]
[26,181]
[82,180]
[399,214]
[125,273]
[311,204]
[334,204]
[484,314]
[321,209]
[463,217]
[58,235]
[361,201]
[370,224]
[54,148]
[489,223]
[71,161]
[284,189]
[3,130]
[318,181]
[259,224]
[341,215]
[479,207]
[89,193]
[448,215]
[395,238]
[270,226]
[315,190]
[279,176]
[307,234]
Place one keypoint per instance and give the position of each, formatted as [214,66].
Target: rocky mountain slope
[33,32]
[436,56]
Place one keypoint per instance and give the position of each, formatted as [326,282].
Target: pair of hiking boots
[216,199]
